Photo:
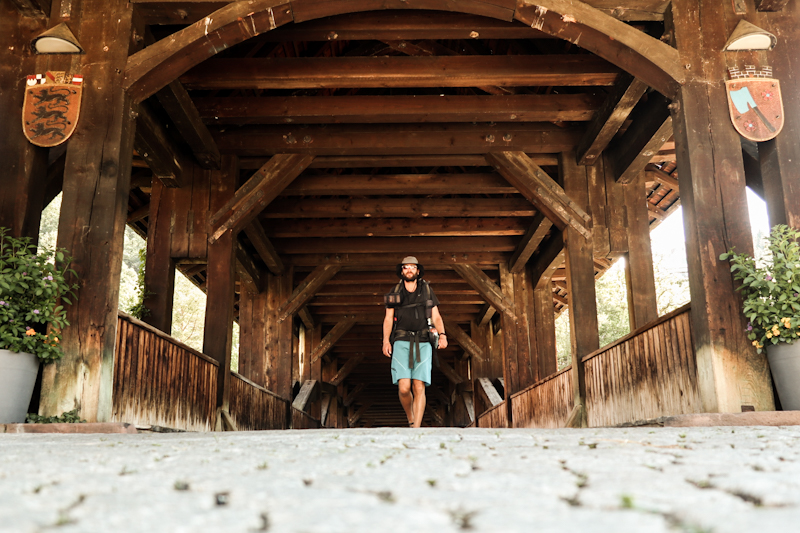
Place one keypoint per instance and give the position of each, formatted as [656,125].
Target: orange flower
[30,333]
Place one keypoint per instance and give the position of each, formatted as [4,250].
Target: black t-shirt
[413,318]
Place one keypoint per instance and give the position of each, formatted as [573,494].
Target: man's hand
[442,342]
[387,348]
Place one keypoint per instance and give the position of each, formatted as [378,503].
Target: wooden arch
[652,61]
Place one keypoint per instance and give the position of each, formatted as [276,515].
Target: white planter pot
[784,363]
[17,378]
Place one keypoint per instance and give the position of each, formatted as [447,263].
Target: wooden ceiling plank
[396,139]
[161,153]
[306,290]
[541,190]
[651,128]
[485,287]
[313,9]
[383,260]
[463,339]
[325,345]
[536,233]
[653,173]
[379,289]
[377,299]
[400,207]
[343,372]
[624,96]
[264,248]
[180,108]
[252,197]
[395,227]
[398,71]
[370,184]
[398,245]
[406,160]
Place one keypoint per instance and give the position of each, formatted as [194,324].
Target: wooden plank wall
[545,404]
[650,373]
[255,408]
[303,420]
[495,417]
[159,381]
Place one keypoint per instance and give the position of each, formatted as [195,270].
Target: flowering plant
[771,292]
[31,288]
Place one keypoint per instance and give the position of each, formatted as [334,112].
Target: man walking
[412,322]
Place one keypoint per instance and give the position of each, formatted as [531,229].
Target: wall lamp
[747,36]
[57,40]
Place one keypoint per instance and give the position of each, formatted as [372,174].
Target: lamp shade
[747,36]
[57,40]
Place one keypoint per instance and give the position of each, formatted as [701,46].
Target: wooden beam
[342,327]
[469,404]
[541,190]
[306,317]
[455,332]
[343,372]
[406,160]
[139,214]
[485,315]
[771,5]
[264,248]
[366,245]
[609,118]
[248,271]
[33,8]
[656,211]
[639,276]
[489,393]
[652,173]
[436,393]
[217,334]
[438,419]
[326,402]
[308,392]
[252,197]
[485,287]
[352,396]
[399,207]
[398,227]
[449,373]
[162,154]
[549,259]
[536,233]
[368,184]
[354,418]
[393,109]
[180,108]
[397,71]
[396,139]
[651,128]
[383,261]
[306,290]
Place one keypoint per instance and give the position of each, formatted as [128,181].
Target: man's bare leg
[404,391]
[419,402]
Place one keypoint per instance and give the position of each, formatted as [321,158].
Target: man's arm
[439,323]
[387,331]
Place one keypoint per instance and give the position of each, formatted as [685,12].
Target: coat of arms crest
[755,104]
[51,108]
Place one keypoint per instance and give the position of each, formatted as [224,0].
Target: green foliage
[139,310]
[771,291]
[69,417]
[32,287]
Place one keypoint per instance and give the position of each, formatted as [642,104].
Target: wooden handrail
[543,380]
[259,387]
[173,340]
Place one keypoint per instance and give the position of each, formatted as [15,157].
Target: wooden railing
[650,373]
[254,407]
[545,404]
[496,417]
[303,420]
[159,381]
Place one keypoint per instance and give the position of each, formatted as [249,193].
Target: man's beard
[409,276]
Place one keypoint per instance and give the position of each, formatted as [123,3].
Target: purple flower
[749,326]
[35,311]
[27,328]
[769,278]
[24,273]
[2,302]
[50,278]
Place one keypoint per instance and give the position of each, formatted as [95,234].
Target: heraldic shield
[51,108]
[755,104]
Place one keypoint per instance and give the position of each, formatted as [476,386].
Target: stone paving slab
[86,427]
[710,479]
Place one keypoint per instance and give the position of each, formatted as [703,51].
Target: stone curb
[756,418]
[82,428]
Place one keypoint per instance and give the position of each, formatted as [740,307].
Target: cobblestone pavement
[718,479]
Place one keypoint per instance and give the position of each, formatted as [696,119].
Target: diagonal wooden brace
[485,287]
[306,290]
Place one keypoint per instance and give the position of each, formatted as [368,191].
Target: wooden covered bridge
[285,154]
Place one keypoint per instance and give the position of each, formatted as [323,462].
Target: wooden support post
[331,405]
[780,174]
[22,181]
[639,277]
[92,223]
[278,341]
[544,325]
[584,335]
[159,271]
[530,242]
[217,335]
[712,183]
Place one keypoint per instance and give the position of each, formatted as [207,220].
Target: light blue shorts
[421,370]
